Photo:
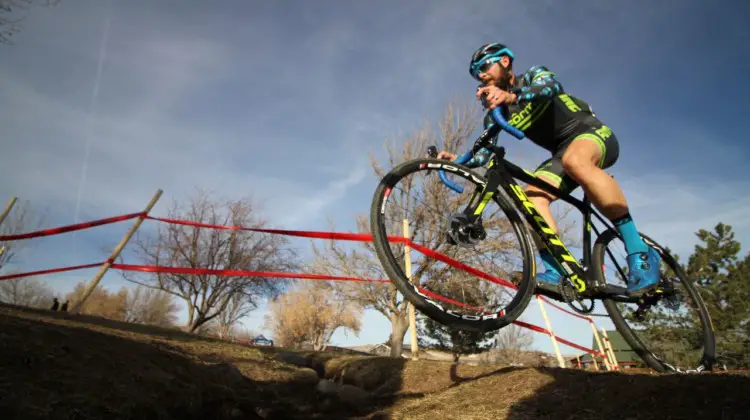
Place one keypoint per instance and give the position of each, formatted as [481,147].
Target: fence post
[7,209]
[602,349]
[560,359]
[412,312]
[611,353]
[116,253]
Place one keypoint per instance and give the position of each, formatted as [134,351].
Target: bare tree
[21,291]
[29,292]
[207,296]
[238,307]
[427,210]
[144,305]
[427,205]
[22,219]
[101,302]
[309,315]
[510,343]
[12,13]
[242,333]
[382,297]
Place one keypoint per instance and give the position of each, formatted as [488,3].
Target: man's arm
[539,83]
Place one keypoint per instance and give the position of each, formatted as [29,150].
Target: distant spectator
[55,304]
[64,307]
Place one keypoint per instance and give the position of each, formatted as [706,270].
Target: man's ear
[506,61]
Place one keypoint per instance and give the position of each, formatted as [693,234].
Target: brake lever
[431,153]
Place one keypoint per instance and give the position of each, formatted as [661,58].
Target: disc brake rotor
[463,233]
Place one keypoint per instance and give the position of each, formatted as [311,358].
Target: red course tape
[362,237]
[70,228]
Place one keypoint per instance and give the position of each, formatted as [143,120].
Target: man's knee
[577,165]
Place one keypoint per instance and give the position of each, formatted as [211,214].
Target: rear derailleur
[463,233]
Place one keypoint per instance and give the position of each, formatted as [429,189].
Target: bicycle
[583,281]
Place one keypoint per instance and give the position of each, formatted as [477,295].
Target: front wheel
[669,331]
[461,281]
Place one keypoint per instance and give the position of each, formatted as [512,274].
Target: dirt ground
[59,366]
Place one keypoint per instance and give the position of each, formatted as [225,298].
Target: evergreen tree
[457,342]
[672,328]
[724,280]
[473,292]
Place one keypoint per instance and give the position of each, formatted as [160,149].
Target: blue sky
[106,101]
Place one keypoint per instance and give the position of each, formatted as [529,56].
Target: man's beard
[504,82]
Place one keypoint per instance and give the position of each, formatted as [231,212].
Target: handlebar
[497,116]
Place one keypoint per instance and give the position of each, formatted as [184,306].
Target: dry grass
[77,367]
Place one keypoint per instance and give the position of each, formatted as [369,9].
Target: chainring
[571,296]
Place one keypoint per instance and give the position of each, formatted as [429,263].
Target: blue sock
[633,242]
[549,261]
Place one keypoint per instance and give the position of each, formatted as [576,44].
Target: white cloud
[671,210]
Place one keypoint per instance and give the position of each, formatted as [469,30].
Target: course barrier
[604,352]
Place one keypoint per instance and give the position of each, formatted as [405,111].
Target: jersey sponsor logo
[528,115]
[604,132]
[569,103]
[521,115]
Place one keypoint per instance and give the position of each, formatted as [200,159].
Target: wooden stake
[611,352]
[602,349]
[116,253]
[560,359]
[412,312]
[5,212]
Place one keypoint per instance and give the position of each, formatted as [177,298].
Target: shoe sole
[643,291]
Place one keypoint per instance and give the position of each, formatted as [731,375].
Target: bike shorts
[552,168]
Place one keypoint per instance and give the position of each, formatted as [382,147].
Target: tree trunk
[399,326]
[191,315]
[197,322]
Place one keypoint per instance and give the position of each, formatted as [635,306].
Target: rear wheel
[670,331]
[460,284]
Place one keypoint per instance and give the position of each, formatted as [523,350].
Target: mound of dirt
[63,366]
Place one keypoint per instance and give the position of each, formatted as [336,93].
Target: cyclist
[581,147]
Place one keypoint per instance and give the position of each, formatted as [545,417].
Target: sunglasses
[483,66]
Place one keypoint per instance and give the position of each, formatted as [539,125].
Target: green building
[625,356]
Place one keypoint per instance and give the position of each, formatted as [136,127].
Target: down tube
[549,237]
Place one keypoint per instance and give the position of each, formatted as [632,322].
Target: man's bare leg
[542,200]
[580,163]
